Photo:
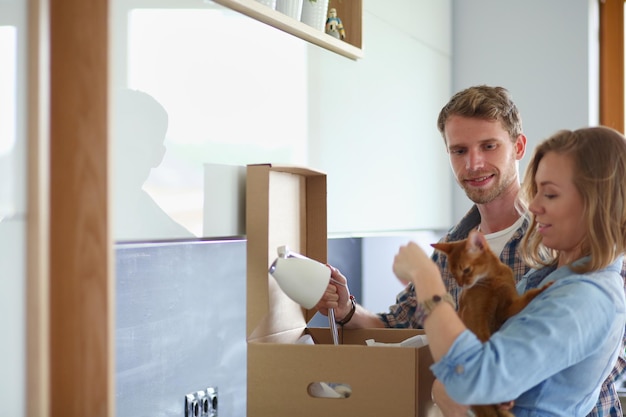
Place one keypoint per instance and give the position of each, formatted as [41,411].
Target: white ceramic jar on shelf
[314,13]
[291,8]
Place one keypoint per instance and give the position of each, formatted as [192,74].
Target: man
[482,130]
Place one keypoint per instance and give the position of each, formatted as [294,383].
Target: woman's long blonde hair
[599,156]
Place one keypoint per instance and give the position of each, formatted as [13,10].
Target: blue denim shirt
[553,356]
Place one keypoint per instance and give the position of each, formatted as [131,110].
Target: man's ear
[520,146]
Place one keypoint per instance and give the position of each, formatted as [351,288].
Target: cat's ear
[443,247]
[476,242]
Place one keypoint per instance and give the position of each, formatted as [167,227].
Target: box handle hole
[329,390]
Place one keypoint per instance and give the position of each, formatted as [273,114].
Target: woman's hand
[411,262]
[442,324]
[337,295]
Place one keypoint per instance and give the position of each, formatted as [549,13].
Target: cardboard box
[287,206]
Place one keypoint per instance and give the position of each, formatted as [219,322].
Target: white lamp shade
[302,279]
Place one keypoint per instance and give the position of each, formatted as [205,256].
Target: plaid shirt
[407,314]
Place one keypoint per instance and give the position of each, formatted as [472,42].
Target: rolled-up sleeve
[560,328]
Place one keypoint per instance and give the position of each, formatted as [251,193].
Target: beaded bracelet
[429,305]
[348,316]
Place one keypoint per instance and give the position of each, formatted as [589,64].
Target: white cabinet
[238,92]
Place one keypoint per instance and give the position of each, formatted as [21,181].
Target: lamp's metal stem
[333,325]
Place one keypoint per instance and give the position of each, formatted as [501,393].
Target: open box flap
[285,205]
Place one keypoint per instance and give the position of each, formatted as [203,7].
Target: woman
[553,356]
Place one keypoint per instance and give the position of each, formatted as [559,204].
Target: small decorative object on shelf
[334,26]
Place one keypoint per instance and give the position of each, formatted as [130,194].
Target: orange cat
[489,296]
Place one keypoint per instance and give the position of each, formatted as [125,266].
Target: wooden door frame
[70,289]
[612,64]
[37,216]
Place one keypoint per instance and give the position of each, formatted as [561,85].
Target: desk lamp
[304,280]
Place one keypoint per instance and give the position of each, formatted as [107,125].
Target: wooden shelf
[262,13]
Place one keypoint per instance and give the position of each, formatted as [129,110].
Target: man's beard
[484,196]
[480,196]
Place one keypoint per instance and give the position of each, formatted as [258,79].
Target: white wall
[12,318]
[544,52]
[230,99]
[260,95]
[13,51]
[376,134]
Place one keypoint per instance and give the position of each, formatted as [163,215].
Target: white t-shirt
[498,240]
